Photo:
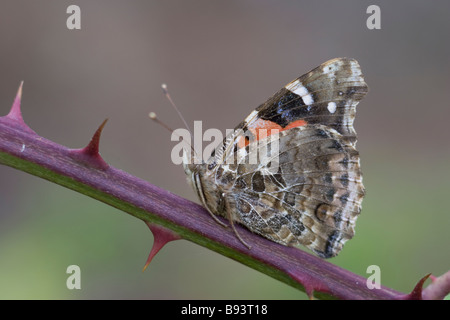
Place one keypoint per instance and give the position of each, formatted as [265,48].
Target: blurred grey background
[220,60]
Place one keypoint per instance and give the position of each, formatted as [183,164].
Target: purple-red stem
[171,217]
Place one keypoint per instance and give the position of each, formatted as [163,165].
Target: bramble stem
[84,171]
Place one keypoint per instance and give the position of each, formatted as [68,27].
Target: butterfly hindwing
[314,197]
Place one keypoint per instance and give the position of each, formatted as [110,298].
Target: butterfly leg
[235,231]
[217,220]
[230,218]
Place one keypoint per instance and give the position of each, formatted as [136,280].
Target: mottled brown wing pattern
[312,200]
[315,196]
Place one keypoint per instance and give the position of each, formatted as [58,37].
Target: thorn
[416,294]
[438,289]
[90,154]
[309,292]
[15,113]
[161,237]
[93,147]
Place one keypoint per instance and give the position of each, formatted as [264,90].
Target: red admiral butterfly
[314,193]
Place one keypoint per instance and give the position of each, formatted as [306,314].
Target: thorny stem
[84,170]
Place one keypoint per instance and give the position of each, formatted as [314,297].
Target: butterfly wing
[327,95]
[315,196]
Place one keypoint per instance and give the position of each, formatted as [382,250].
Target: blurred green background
[220,60]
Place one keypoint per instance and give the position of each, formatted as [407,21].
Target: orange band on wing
[297,123]
[269,129]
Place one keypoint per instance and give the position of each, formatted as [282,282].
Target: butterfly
[312,195]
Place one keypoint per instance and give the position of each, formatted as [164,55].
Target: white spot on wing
[332,107]
[298,88]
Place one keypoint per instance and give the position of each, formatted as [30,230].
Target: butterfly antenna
[154,117]
[166,93]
